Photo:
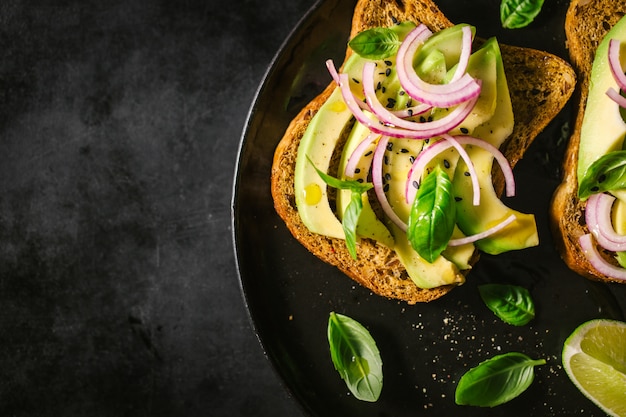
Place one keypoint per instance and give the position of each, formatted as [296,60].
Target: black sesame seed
[368,153]
[394,20]
[457,199]
[430,118]
[359,180]
[446,163]
[386,160]
[388,72]
[596,188]
[404,150]
[415,184]
[388,63]
[422,119]
[356,81]
[464,130]
[387,177]
[601,178]
[357,170]
[378,86]
[466,173]
[426,141]
[391,103]
[410,112]
[402,92]
[386,187]
[383,90]
[411,159]
[389,146]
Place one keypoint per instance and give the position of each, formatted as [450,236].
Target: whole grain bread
[540,85]
[586,24]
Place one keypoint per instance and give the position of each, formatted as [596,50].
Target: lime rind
[594,358]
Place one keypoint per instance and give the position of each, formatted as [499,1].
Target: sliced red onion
[598,218]
[426,130]
[505,166]
[466,51]
[377,179]
[433,150]
[615,64]
[439,95]
[597,261]
[470,167]
[358,153]
[435,127]
[616,97]
[478,236]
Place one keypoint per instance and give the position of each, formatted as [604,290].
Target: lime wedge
[594,357]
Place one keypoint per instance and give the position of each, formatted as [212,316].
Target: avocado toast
[539,85]
[587,29]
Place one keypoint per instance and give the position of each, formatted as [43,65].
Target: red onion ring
[377,179]
[597,261]
[433,150]
[439,95]
[427,129]
[616,97]
[598,218]
[357,154]
[478,236]
[615,64]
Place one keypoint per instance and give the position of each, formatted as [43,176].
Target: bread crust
[377,267]
[586,24]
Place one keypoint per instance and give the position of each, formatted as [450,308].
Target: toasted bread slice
[586,24]
[540,85]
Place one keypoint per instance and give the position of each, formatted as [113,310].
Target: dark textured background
[119,127]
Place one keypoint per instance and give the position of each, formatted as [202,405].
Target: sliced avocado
[424,274]
[522,232]
[368,225]
[447,41]
[603,128]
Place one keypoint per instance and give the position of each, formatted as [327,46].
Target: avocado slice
[522,232]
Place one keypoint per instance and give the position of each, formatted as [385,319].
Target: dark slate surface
[119,128]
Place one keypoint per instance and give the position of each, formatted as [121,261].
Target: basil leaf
[354,209]
[511,303]
[350,220]
[606,173]
[351,185]
[496,380]
[375,43]
[355,356]
[515,14]
[433,215]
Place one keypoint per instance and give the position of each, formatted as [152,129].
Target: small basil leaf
[515,14]
[375,43]
[433,215]
[351,185]
[350,220]
[355,356]
[511,303]
[606,173]
[496,380]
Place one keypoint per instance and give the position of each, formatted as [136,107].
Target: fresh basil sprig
[511,303]
[433,215]
[355,356]
[496,380]
[515,14]
[376,43]
[606,173]
[355,207]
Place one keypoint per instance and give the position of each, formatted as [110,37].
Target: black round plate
[427,347]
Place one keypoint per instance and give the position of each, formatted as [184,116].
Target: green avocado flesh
[491,120]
